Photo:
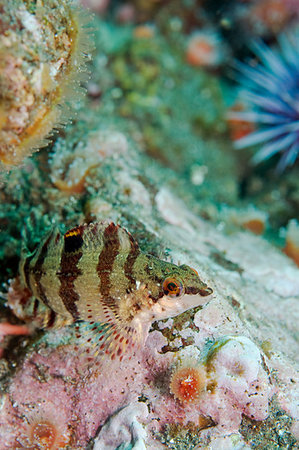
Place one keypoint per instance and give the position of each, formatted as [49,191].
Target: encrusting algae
[97,273]
[43,48]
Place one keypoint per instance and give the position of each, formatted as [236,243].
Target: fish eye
[195,271]
[172,287]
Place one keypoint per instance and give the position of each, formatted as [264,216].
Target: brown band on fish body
[35,307]
[67,275]
[27,270]
[73,239]
[107,257]
[38,271]
[51,319]
[130,261]
[157,280]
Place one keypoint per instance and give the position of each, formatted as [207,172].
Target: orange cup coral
[187,383]
[42,48]
[45,432]
[205,49]
[238,128]
[292,241]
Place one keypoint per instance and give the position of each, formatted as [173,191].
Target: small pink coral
[205,49]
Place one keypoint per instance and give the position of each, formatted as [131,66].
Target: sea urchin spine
[271,88]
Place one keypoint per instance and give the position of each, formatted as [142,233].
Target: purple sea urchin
[271,88]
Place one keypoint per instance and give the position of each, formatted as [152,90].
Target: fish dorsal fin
[100,234]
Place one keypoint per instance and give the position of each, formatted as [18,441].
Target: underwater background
[179,121]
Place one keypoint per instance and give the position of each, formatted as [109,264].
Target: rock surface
[147,154]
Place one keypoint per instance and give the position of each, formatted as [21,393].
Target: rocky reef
[43,46]
[150,149]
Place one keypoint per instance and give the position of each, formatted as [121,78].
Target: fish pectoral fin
[99,311]
[115,340]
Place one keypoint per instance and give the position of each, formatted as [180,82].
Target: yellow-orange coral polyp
[292,241]
[292,250]
[187,383]
[199,52]
[256,226]
[43,434]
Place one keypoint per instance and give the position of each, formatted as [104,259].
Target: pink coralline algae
[51,388]
[238,383]
[230,382]
[37,408]
[54,386]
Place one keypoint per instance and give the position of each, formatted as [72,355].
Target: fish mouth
[206,291]
[189,301]
[203,291]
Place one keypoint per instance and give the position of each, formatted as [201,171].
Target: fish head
[174,290]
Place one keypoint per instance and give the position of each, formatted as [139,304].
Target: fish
[96,274]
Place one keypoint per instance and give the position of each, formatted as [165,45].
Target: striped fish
[97,273]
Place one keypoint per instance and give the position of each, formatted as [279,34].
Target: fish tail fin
[31,310]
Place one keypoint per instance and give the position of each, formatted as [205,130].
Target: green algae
[171,333]
[146,86]
[154,85]
[270,434]
[176,436]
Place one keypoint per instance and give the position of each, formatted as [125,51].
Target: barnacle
[271,89]
[43,48]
